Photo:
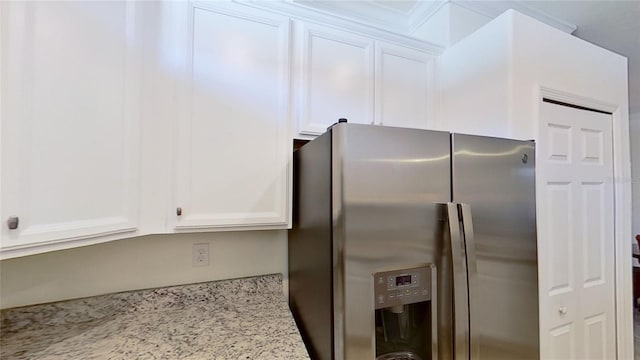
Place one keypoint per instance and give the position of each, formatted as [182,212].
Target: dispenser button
[380,280]
[392,295]
[380,299]
[424,292]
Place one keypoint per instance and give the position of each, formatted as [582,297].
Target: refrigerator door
[310,257]
[497,178]
[386,185]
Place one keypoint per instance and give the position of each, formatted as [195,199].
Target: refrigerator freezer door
[497,177]
[386,183]
[309,247]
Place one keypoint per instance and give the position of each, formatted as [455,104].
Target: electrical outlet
[201,254]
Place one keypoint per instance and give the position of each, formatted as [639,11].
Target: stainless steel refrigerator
[414,244]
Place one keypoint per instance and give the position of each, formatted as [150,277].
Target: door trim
[622,207]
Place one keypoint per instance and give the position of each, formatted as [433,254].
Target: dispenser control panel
[400,287]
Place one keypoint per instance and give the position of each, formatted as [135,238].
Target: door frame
[622,207]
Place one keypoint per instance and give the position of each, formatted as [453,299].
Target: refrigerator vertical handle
[460,293]
[472,271]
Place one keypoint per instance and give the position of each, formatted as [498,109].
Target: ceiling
[612,24]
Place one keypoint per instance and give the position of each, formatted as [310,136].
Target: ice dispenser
[405,314]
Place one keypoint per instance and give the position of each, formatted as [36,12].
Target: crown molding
[396,25]
[302,12]
[376,13]
[378,16]
[422,12]
[493,9]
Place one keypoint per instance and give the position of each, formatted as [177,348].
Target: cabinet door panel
[232,148]
[70,94]
[404,86]
[336,78]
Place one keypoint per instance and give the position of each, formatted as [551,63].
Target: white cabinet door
[336,78]
[69,116]
[576,256]
[233,145]
[404,88]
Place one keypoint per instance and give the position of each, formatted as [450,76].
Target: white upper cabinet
[125,118]
[404,86]
[336,77]
[345,75]
[69,124]
[233,142]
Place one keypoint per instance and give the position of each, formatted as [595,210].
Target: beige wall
[138,263]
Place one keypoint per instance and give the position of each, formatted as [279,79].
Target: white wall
[596,73]
[139,263]
[464,22]
[499,87]
[450,24]
[475,82]
[492,83]
[634,136]
[435,29]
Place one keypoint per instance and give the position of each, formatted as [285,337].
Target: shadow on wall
[634,136]
[139,263]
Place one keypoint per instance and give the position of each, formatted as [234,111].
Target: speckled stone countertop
[232,319]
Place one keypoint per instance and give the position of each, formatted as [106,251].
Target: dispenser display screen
[403,280]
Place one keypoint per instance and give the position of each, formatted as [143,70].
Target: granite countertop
[232,319]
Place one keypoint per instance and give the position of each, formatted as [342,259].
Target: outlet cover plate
[200,254]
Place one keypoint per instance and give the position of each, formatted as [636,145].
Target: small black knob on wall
[13,222]
[340,121]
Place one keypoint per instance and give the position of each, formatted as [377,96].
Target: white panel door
[336,78]
[69,101]
[233,146]
[576,234]
[404,88]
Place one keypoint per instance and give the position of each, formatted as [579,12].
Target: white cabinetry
[69,123]
[404,87]
[336,77]
[233,144]
[369,81]
[87,129]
